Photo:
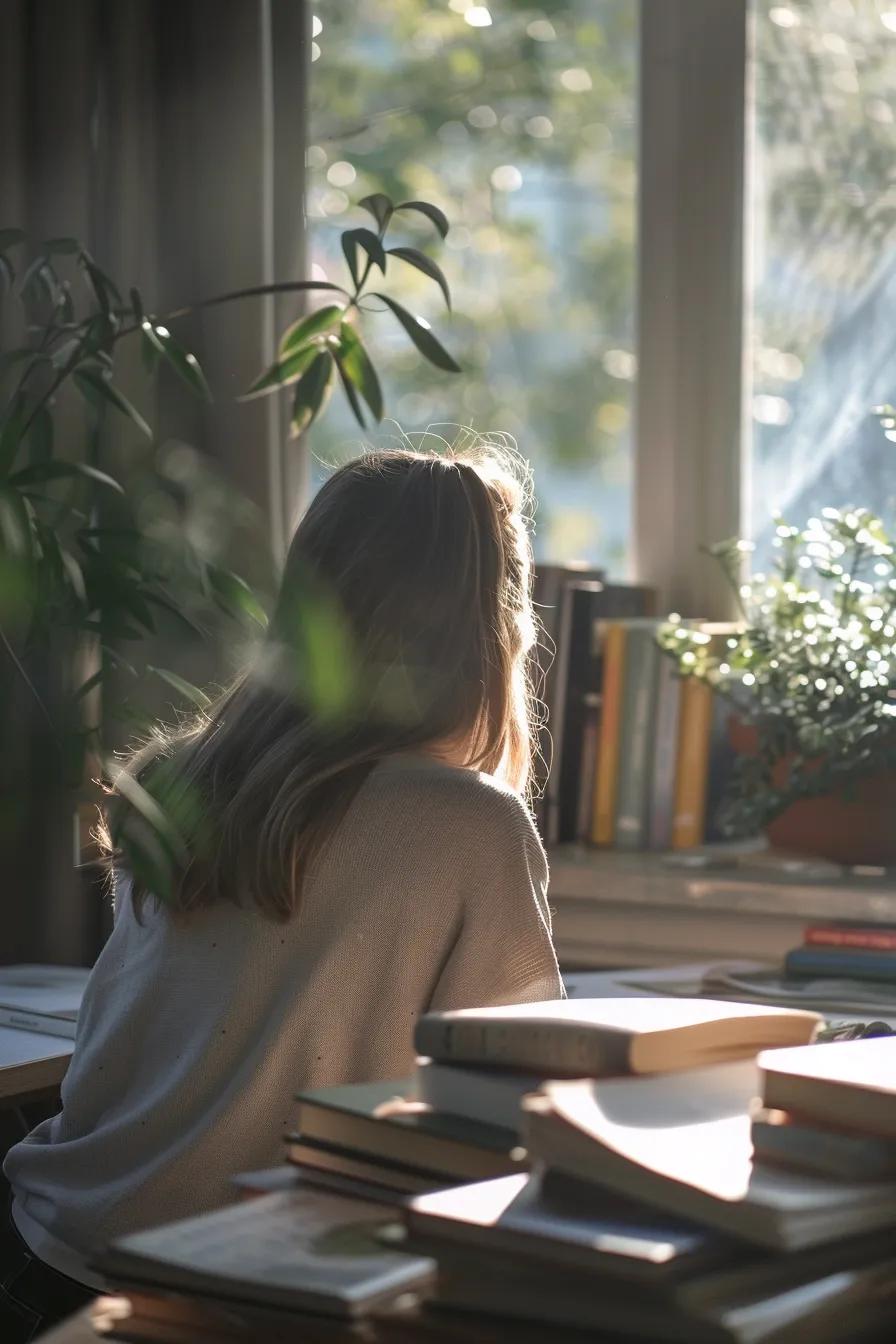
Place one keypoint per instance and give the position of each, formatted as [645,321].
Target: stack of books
[845,950]
[830,1111]
[646,1213]
[639,1209]
[663,756]
[573,605]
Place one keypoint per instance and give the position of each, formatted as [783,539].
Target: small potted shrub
[809,670]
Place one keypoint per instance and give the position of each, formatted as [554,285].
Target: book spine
[588,767]
[47,1026]
[662,793]
[636,738]
[871,940]
[556,1049]
[809,962]
[603,821]
[692,764]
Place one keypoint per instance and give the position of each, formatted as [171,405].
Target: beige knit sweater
[193,1038]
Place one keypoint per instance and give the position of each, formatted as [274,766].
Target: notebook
[307,1249]
[847,1083]
[601,1037]
[554,1221]
[683,1142]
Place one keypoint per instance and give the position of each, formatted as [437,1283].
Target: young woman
[357,850]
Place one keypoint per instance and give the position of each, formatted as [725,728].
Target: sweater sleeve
[503,952]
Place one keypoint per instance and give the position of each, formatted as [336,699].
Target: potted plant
[809,670]
[83,579]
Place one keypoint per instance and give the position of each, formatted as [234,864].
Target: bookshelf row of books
[714,1178]
[636,756]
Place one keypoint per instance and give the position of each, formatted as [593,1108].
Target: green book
[638,723]
[382,1121]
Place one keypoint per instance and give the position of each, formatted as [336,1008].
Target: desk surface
[31,1062]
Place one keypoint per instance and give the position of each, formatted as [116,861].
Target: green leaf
[103,286]
[355,362]
[149,351]
[185,364]
[149,809]
[311,392]
[39,276]
[284,372]
[136,304]
[184,688]
[368,242]
[380,207]
[11,433]
[61,245]
[432,212]
[96,390]
[422,337]
[423,263]
[352,397]
[40,436]
[301,332]
[7,275]
[235,596]
[11,238]
[51,471]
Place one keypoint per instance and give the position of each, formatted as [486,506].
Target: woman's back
[197,1030]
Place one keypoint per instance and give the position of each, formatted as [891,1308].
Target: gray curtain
[168,136]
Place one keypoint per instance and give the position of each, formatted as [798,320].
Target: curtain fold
[168,136]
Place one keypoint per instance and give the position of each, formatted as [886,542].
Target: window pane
[824,221]
[520,123]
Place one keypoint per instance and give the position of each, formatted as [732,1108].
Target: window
[520,123]
[823,217]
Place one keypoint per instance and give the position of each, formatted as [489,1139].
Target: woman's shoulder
[449,794]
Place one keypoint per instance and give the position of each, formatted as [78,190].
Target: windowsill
[614,909]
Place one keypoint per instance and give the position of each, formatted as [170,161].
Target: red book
[863,937]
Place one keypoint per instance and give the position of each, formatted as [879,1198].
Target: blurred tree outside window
[520,122]
[823,218]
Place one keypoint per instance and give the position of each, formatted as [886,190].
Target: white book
[683,1142]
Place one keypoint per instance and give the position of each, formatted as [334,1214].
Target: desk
[31,1063]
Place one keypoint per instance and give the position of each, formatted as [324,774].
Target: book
[44,999]
[682,1142]
[601,1037]
[785,1300]
[781,1136]
[491,1096]
[573,630]
[691,770]
[549,587]
[836,933]
[552,1220]
[587,765]
[841,963]
[665,756]
[720,768]
[603,829]
[591,605]
[846,1083]
[349,1171]
[306,1250]
[637,734]
[48,1024]
[376,1121]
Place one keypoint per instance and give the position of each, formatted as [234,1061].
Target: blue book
[816,963]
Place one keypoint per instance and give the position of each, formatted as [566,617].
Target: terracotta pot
[859,829]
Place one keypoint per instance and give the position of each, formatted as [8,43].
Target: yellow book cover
[692,768]
[603,825]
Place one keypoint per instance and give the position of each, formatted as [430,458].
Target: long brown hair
[404,619]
